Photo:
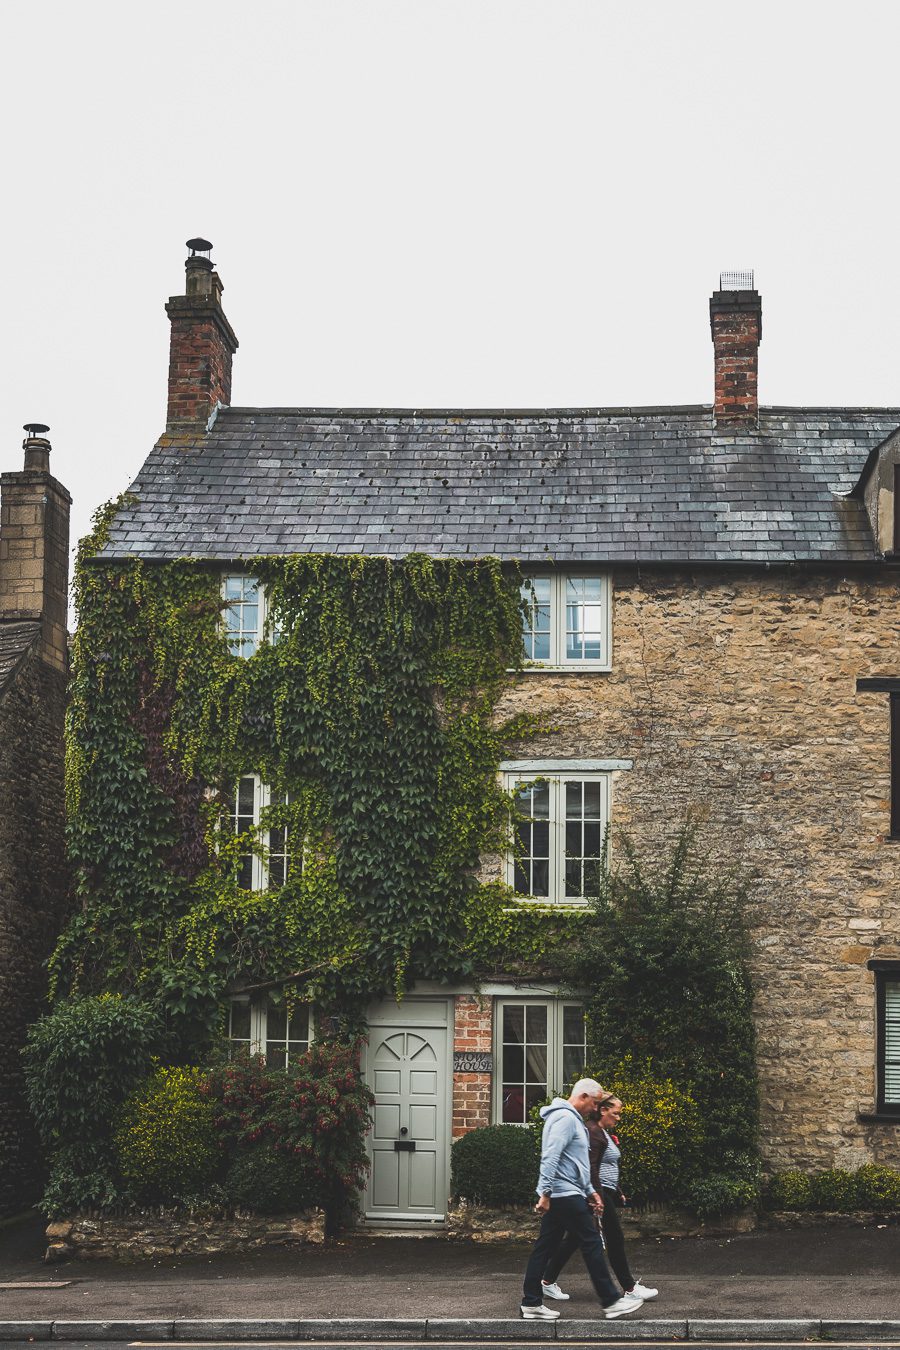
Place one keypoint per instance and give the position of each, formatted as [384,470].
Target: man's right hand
[595,1202]
[542,1205]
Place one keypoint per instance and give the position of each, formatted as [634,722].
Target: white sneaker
[642,1291]
[538,1311]
[626,1304]
[552,1290]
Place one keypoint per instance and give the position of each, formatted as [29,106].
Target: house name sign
[473,1061]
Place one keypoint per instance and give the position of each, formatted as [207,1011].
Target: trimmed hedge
[836,1190]
[496,1165]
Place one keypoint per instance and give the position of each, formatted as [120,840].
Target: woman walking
[605,1156]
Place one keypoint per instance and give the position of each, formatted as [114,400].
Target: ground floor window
[539,1048]
[267,1027]
[887,993]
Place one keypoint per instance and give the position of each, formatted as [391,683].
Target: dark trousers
[615,1245]
[568,1214]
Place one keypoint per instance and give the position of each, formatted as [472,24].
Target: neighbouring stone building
[34,552]
[713,629]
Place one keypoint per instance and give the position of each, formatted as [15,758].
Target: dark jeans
[615,1245]
[568,1214]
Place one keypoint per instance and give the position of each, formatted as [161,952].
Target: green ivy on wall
[373,719]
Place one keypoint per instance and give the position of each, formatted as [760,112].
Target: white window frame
[262,799]
[556,778]
[555,1049]
[262,612]
[259,1024]
[558,659]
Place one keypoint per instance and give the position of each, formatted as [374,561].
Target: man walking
[567,1202]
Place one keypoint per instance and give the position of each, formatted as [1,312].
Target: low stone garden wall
[138,1237]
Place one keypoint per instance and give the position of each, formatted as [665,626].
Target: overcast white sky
[418,203]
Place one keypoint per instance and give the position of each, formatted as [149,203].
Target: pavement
[758,1286]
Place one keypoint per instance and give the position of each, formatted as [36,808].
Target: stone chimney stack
[202,345]
[735,319]
[34,547]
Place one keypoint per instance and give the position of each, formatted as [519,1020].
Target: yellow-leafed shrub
[658,1130]
[166,1139]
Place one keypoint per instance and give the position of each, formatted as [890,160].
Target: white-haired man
[567,1202]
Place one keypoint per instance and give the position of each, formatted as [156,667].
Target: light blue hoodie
[565,1162]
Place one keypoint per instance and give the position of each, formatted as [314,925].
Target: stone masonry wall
[32,896]
[735,696]
[471,1091]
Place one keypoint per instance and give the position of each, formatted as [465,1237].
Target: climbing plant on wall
[373,719]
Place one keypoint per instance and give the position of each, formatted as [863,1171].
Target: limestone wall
[735,696]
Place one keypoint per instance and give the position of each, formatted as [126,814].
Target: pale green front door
[408,1072]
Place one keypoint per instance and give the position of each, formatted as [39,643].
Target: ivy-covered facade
[360,698]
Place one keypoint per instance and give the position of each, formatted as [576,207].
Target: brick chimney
[202,345]
[735,319]
[34,547]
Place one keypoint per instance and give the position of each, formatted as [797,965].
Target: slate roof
[620,485]
[16,639]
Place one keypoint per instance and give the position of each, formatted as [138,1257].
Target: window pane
[593,800]
[276,1021]
[540,879]
[298,1028]
[514,1023]
[240,1020]
[513,1063]
[513,1106]
[246,796]
[574,879]
[533,1095]
[574,800]
[245,872]
[276,1054]
[573,1063]
[536,1064]
[536,1023]
[573,1024]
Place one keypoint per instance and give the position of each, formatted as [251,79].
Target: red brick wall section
[473,1030]
[736,322]
[200,354]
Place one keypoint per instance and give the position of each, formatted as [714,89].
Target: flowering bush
[165,1140]
[317,1111]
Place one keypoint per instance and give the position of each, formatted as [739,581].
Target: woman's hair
[604,1102]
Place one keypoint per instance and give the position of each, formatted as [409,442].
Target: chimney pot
[37,449]
[735,320]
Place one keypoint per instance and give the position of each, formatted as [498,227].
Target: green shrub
[81,1062]
[265,1180]
[722,1192]
[82,1176]
[669,935]
[165,1140]
[789,1190]
[878,1187]
[657,1132]
[834,1189]
[496,1165]
[316,1111]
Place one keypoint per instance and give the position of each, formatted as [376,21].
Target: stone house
[712,630]
[34,544]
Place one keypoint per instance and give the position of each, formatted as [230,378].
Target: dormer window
[567,622]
